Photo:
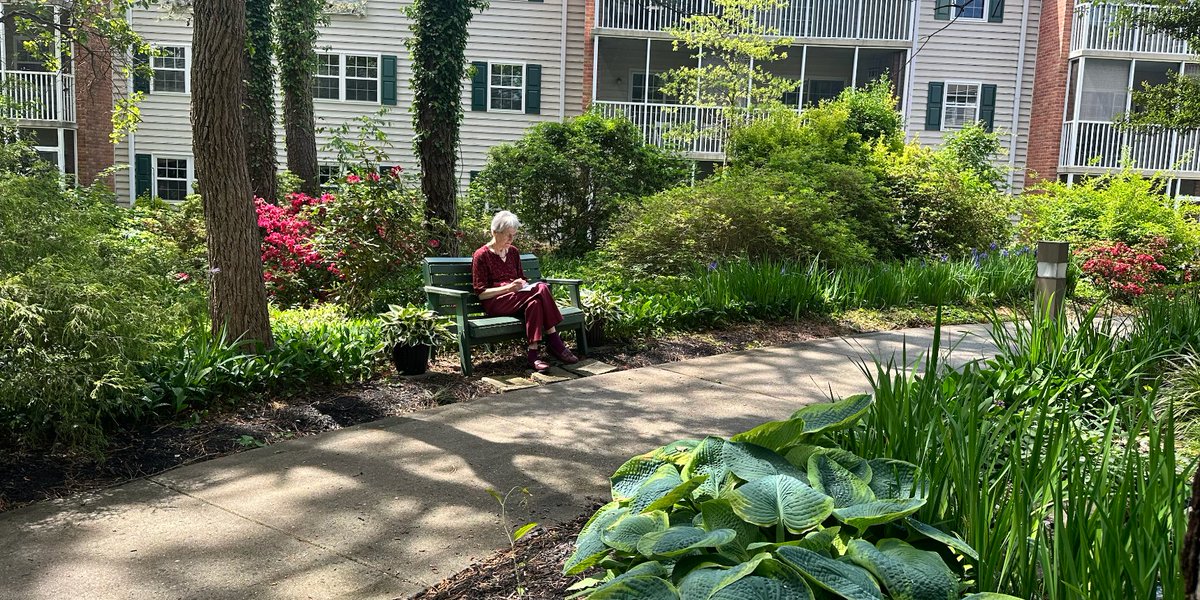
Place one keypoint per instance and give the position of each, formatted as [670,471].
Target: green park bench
[448,290]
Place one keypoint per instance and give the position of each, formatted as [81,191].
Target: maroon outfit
[488,270]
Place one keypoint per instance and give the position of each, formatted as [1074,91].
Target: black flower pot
[411,360]
[595,334]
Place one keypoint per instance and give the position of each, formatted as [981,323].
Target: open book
[529,285]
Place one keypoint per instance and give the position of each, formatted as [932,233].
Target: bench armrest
[441,291]
[573,285]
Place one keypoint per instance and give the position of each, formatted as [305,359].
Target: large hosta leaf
[801,454]
[590,546]
[642,587]
[761,578]
[625,533]
[718,514]
[832,479]
[774,435]
[632,475]
[781,499]
[990,596]
[818,541]
[897,479]
[708,458]
[679,492]
[589,586]
[660,484]
[847,580]
[906,572]
[750,462]
[754,587]
[678,540]
[862,516]
[824,417]
[936,534]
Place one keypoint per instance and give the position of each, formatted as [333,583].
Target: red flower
[182,277]
[396,170]
[352,178]
[433,243]
[374,176]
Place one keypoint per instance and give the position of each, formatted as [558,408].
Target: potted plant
[409,333]
[599,309]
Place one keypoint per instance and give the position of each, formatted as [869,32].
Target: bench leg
[464,357]
[582,341]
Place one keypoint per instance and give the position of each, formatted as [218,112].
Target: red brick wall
[93,110]
[589,69]
[1049,90]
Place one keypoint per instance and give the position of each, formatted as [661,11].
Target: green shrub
[567,180]
[754,214]
[414,326]
[775,512]
[1121,207]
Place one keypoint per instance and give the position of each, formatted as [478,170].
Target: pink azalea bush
[1123,271]
[295,271]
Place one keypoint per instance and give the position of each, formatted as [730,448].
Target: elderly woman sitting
[500,283]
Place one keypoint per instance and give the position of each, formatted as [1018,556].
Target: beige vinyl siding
[515,31]
[973,51]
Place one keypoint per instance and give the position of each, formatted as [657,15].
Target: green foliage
[361,144]
[755,214]
[1120,207]
[414,326]
[776,510]
[17,153]
[1175,104]
[1048,459]
[567,180]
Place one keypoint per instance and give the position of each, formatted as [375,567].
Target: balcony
[1101,146]
[1095,30]
[37,97]
[849,20]
[697,132]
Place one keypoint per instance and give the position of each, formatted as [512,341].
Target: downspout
[133,133]
[562,67]
[1016,118]
[914,29]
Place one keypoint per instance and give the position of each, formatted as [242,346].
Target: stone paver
[590,366]
[383,509]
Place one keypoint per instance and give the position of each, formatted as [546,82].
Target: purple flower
[992,246]
[944,257]
[1004,253]
[712,266]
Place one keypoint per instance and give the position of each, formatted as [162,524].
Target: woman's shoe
[566,356]
[535,363]
[556,346]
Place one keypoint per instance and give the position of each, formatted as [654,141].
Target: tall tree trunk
[436,151]
[259,104]
[297,25]
[1191,545]
[237,296]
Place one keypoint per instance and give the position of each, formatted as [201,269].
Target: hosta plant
[414,326]
[775,512]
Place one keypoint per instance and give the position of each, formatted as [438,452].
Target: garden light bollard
[1050,285]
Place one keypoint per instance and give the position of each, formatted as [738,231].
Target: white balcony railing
[1096,27]
[876,20]
[694,130]
[1103,145]
[37,96]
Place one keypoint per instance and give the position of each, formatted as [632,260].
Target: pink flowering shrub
[1123,271]
[295,271]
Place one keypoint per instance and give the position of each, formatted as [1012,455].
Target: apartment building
[1049,75]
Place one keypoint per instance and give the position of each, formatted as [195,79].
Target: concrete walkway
[383,510]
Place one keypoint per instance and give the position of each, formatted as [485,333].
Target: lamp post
[1050,285]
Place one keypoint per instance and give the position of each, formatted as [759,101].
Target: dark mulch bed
[541,556]
[28,477]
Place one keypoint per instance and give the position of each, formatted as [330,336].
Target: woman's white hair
[505,220]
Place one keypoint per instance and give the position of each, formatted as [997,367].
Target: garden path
[383,510]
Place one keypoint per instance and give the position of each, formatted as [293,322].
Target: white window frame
[648,78]
[342,78]
[191,174]
[187,70]
[335,174]
[524,82]
[978,85]
[982,15]
[317,76]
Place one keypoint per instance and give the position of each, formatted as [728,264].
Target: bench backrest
[455,273]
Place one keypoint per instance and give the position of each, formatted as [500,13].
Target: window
[1105,89]
[170,70]
[816,90]
[961,105]
[637,88]
[506,87]
[973,9]
[171,178]
[347,77]
[328,175]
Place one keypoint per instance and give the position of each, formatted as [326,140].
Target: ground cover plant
[777,511]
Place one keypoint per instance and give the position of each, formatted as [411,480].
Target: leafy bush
[1124,272]
[1121,207]
[294,271]
[753,214]
[567,180]
[772,512]
[414,326]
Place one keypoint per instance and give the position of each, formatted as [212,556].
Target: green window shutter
[387,80]
[533,89]
[141,83]
[941,9]
[933,106]
[479,86]
[143,175]
[996,14]
[987,106]
[474,174]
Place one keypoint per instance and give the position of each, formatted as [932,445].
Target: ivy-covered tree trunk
[237,297]
[259,103]
[438,45]
[297,27]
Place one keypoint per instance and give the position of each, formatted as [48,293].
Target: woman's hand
[516,285]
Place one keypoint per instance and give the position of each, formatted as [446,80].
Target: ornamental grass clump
[775,512]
